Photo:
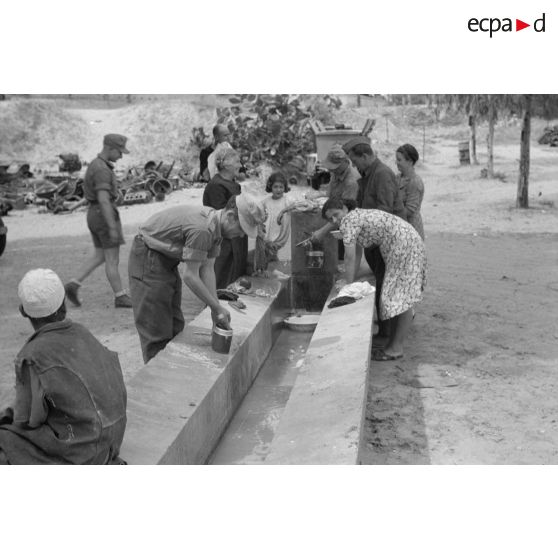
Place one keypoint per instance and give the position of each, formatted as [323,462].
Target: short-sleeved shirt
[345,185]
[100,176]
[184,233]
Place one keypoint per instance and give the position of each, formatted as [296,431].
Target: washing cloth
[223,294]
[341,301]
[357,290]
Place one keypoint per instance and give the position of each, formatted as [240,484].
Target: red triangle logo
[519,25]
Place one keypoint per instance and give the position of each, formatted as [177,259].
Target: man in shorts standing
[100,189]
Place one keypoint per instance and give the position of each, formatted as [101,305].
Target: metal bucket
[315,259]
[221,340]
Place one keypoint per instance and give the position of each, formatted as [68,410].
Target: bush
[274,128]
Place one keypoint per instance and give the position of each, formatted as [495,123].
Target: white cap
[251,213]
[41,293]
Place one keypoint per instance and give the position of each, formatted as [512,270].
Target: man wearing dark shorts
[100,189]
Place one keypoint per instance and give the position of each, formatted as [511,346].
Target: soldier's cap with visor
[335,157]
[116,141]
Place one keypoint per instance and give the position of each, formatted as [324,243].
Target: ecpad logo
[492,25]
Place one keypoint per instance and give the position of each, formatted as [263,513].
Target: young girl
[278,224]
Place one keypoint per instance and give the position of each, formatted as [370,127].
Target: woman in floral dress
[405,257]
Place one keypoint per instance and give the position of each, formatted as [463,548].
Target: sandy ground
[478,381]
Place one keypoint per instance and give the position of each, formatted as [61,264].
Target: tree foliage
[543,106]
[273,128]
[490,107]
[199,138]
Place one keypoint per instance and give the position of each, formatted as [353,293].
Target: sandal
[380,355]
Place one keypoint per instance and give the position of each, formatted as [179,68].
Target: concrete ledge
[181,401]
[323,420]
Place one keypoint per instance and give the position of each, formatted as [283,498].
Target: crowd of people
[70,404]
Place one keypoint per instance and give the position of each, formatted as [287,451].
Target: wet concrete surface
[248,437]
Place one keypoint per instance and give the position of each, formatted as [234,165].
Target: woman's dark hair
[409,152]
[337,203]
[277,177]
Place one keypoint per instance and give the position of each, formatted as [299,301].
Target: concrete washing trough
[181,402]
[311,411]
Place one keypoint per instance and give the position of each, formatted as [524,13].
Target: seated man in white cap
[70,404]
[191,235]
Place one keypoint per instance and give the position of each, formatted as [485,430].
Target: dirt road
[479,378]
[478,381]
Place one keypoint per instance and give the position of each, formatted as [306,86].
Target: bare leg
[91,264]
[400,327]
[383,337]
[112,258]
[392,323]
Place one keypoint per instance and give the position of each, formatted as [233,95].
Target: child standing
[278,224]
